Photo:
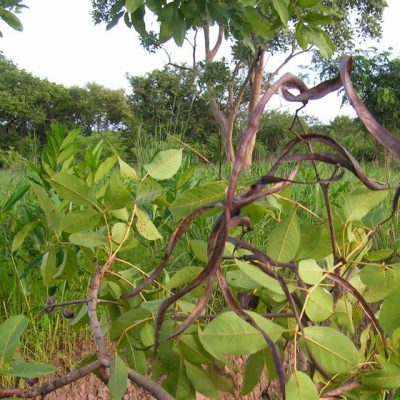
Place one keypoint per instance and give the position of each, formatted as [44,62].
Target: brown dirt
[91,388]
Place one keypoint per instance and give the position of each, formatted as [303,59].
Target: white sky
[60,43]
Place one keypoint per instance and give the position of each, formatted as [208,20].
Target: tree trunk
[226,127]
[256,83]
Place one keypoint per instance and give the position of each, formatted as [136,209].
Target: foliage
[315,282]
[30,105]
[256,27]
[245,20]
[167,102]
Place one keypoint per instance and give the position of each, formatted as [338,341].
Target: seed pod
[248,301]
[68,314]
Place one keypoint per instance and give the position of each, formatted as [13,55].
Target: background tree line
[174,101]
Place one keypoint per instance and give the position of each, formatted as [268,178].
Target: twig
[56,383]
[152,387]
[339,391]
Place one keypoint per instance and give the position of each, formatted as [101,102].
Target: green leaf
[69,265]
[165,164]
[10,332]
[179,29]
[147,335]
[117,195]
[343,315]
[166,30]
[308,3]
[48,267]
[31,371]
[73,189]
[259,277]
[21,235]
[196,197]
[379,280]
[145,226]
[127,171]
[301,37]
[315,242]
[88,239]
[319,304]
[11,20]
[70,138]
[260,25]
[284,240]
[77,221]
[201,381]
[321,40]
[67,153]
[193,351]
[120,232]
[318,19]
[282,7]
[389,315]
[310,272]
[359,202]
[199,249]
[47,205]
[379,255]
[222,380]
[333,351]
[388,377]
[183,276]
[301,387]
[177,382]
[133,5]
[230,334]
[118,377]
[126,320]
[239,279]
[135,359]
[148,191]
[14,197]
[104,168]
[252,372]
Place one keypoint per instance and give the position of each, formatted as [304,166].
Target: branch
[152,387]
[211,53]
[339,391]
[56,383]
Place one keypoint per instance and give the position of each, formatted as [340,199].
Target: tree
[256,27]
[376,77]
[29,105]
[169,102]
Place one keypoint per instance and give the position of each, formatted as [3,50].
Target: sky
[59,42]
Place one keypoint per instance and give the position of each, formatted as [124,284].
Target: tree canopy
[29,105]
[255,27]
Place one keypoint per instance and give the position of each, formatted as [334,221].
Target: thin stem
[56,383]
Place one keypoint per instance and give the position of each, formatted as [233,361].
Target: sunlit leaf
[165,164]
[284,240]
[10,332]
[31,371]
[333,351]
[145,226]
[230,334]
[301,387]
[73,189]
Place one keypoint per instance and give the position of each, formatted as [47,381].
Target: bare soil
[91,388]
